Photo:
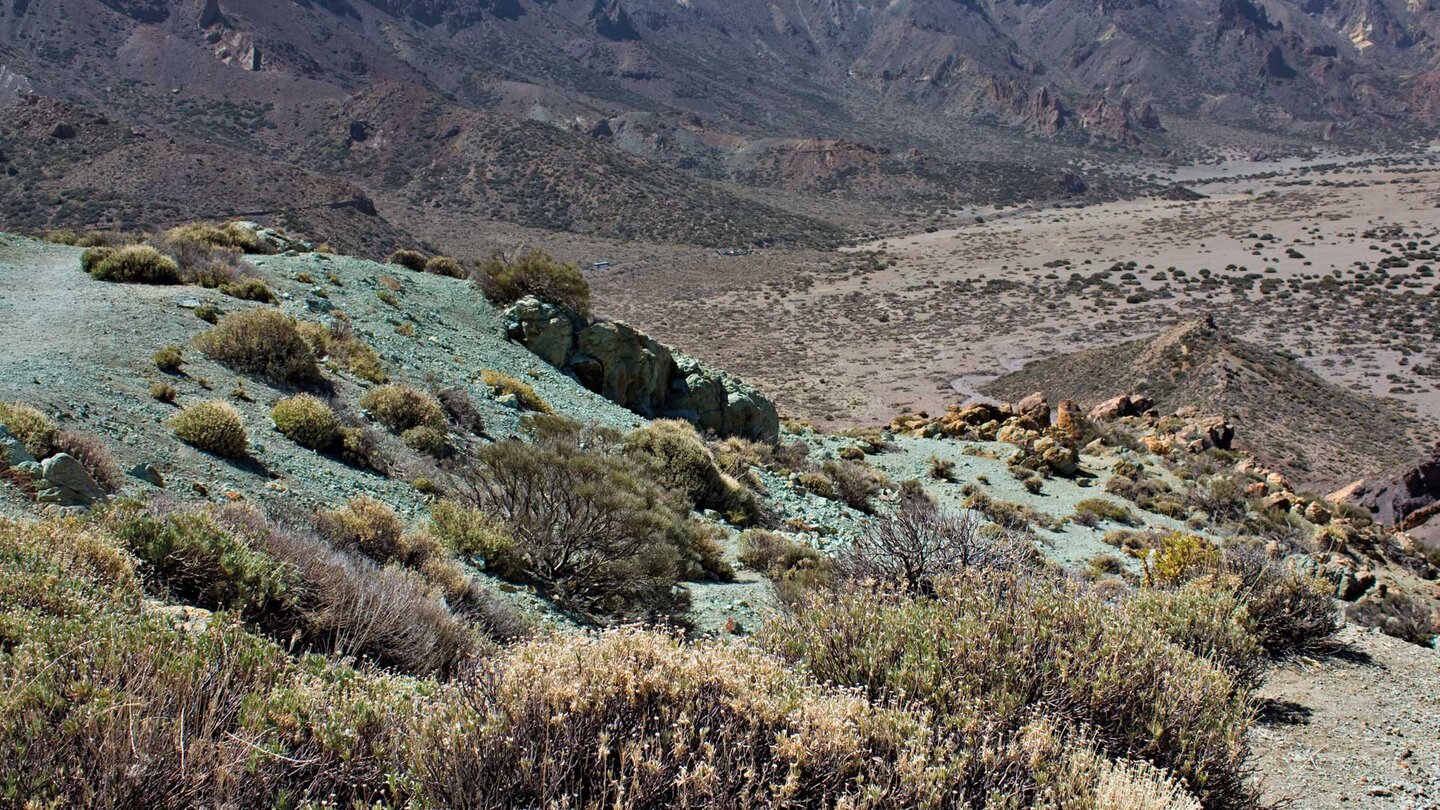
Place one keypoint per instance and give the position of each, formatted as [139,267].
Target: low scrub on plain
[308,421]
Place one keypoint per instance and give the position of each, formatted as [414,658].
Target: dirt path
[1357,730]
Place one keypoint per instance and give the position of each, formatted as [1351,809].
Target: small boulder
[1113,409]
[70,484]
[1035,408]
[148,474]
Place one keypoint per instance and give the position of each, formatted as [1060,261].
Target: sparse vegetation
[169,359]
[503,384]
[342,346]
[412,260]
[213,426]
[445,266]
[1093,511]
[34,429]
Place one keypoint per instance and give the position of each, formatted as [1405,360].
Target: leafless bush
[919,542]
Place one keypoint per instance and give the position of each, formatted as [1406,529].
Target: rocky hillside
[1316,431]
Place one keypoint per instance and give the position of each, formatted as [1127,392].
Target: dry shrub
[231,235]
[264,342]
[982,655]
[169,359]
[250,289]
[400,408]
[343,347]
[589,527]
[461,410]
[426,440]
[854,483]
[502,384]
[93,456]
[412,260]
[1092,511]
[365,525]
[308,421]
[134,264]
[164,392]
[445,266]
[535,273]
[794,568]
[33,429]
[213,426]
[919,543]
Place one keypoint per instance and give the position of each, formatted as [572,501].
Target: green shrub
[264,342]
[412,260]
[213,426]
[502,384]
[92,257]
[474,535]
[445,266]
[169,359]
[35,430]
[194,559]
[535,273]
[676,458]
[135,264]
[308,421]
[1208,623]
[982,654]
[400,408]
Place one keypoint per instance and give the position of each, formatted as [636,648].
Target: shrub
[231,235]
[855,484]
[92,455]
[264,342]
[192,558]
[919,543]
[1093,510]
[676,458]
[92,257]
[400,408]
[982,654]
[169,359]
[535,273]
[474,535]
[308,421]
[589,527]
[35,430]
[250,289]
[135,264]
[795,568]
[704,726]
[367,526]
[412,260]
[941,469]
[425,439]
[502,384]
[1209,624]
[1399,615]
[445,266]
[163,392]
[343,347]
[461,410]
[1180,558]
[213,426]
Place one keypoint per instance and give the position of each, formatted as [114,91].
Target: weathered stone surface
[1068,418]
[545,329]
[629,368]
[1035,408]
[1113,409]
[69,482]
[12,452]
[148,474]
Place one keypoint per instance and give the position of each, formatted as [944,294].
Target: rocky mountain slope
[1314,430]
